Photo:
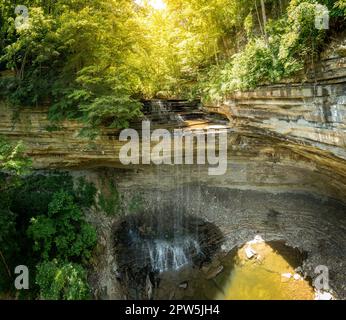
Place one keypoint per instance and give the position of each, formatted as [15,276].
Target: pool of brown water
[256,271]
[268,275]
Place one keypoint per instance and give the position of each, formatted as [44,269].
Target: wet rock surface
[148,245]
[286,177]
[311,222]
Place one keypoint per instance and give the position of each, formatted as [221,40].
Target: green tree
[13,163]
[64,281]
[95,60]
[74,57]
[63,233]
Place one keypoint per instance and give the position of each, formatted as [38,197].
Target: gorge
[285,182]
[173,150]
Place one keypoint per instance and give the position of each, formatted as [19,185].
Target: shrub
[36,192]
[12,158]
[340,8]
[291,41]
[110,203]
[85,193]
[42,222]
[62,281]
[13,163]
[63,233]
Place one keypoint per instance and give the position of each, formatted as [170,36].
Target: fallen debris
[250,253]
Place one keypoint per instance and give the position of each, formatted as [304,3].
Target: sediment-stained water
[260,272]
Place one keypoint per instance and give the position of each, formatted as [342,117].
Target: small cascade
[172,255]
[165,112]
[160,107]
[169,237]
[177,113]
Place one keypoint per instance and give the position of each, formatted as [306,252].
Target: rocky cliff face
[303,124]
[287,156]
[307,117]
[250,200]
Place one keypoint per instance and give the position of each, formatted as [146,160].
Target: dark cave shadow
[135,272]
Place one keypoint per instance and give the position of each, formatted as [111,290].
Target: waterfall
[160,107]
[172,255]
[174,246]
[166,112]
[169,235]
[166,239]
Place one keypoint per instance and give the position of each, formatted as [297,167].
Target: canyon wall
[286,159]
[307,117]
[288,135]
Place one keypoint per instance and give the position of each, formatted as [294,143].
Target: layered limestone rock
[257,158]
[308,117]
[286,159]
[252,199]
[56,145]
[290,125]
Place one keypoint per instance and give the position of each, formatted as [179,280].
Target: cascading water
[164,250]
[174,244]
[174,112]
[166,255]
[167,237]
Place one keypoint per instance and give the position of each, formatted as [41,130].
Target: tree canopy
[97,59]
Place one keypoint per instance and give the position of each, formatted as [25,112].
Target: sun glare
[156,4]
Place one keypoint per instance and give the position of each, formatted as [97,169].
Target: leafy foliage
[110,203]
[13,163]
[12,158]
[85,193]
[36,192]
[42,223]
[96,59]
[63,240]
[62,281]
[340,7]
[73,57]
[291,41]
[62,233]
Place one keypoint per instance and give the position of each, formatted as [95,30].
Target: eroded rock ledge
[287,145]
[277,131]
[307,117]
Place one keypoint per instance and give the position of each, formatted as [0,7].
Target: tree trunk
[259,19]
[5,264]
[281,7]
[264,20]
